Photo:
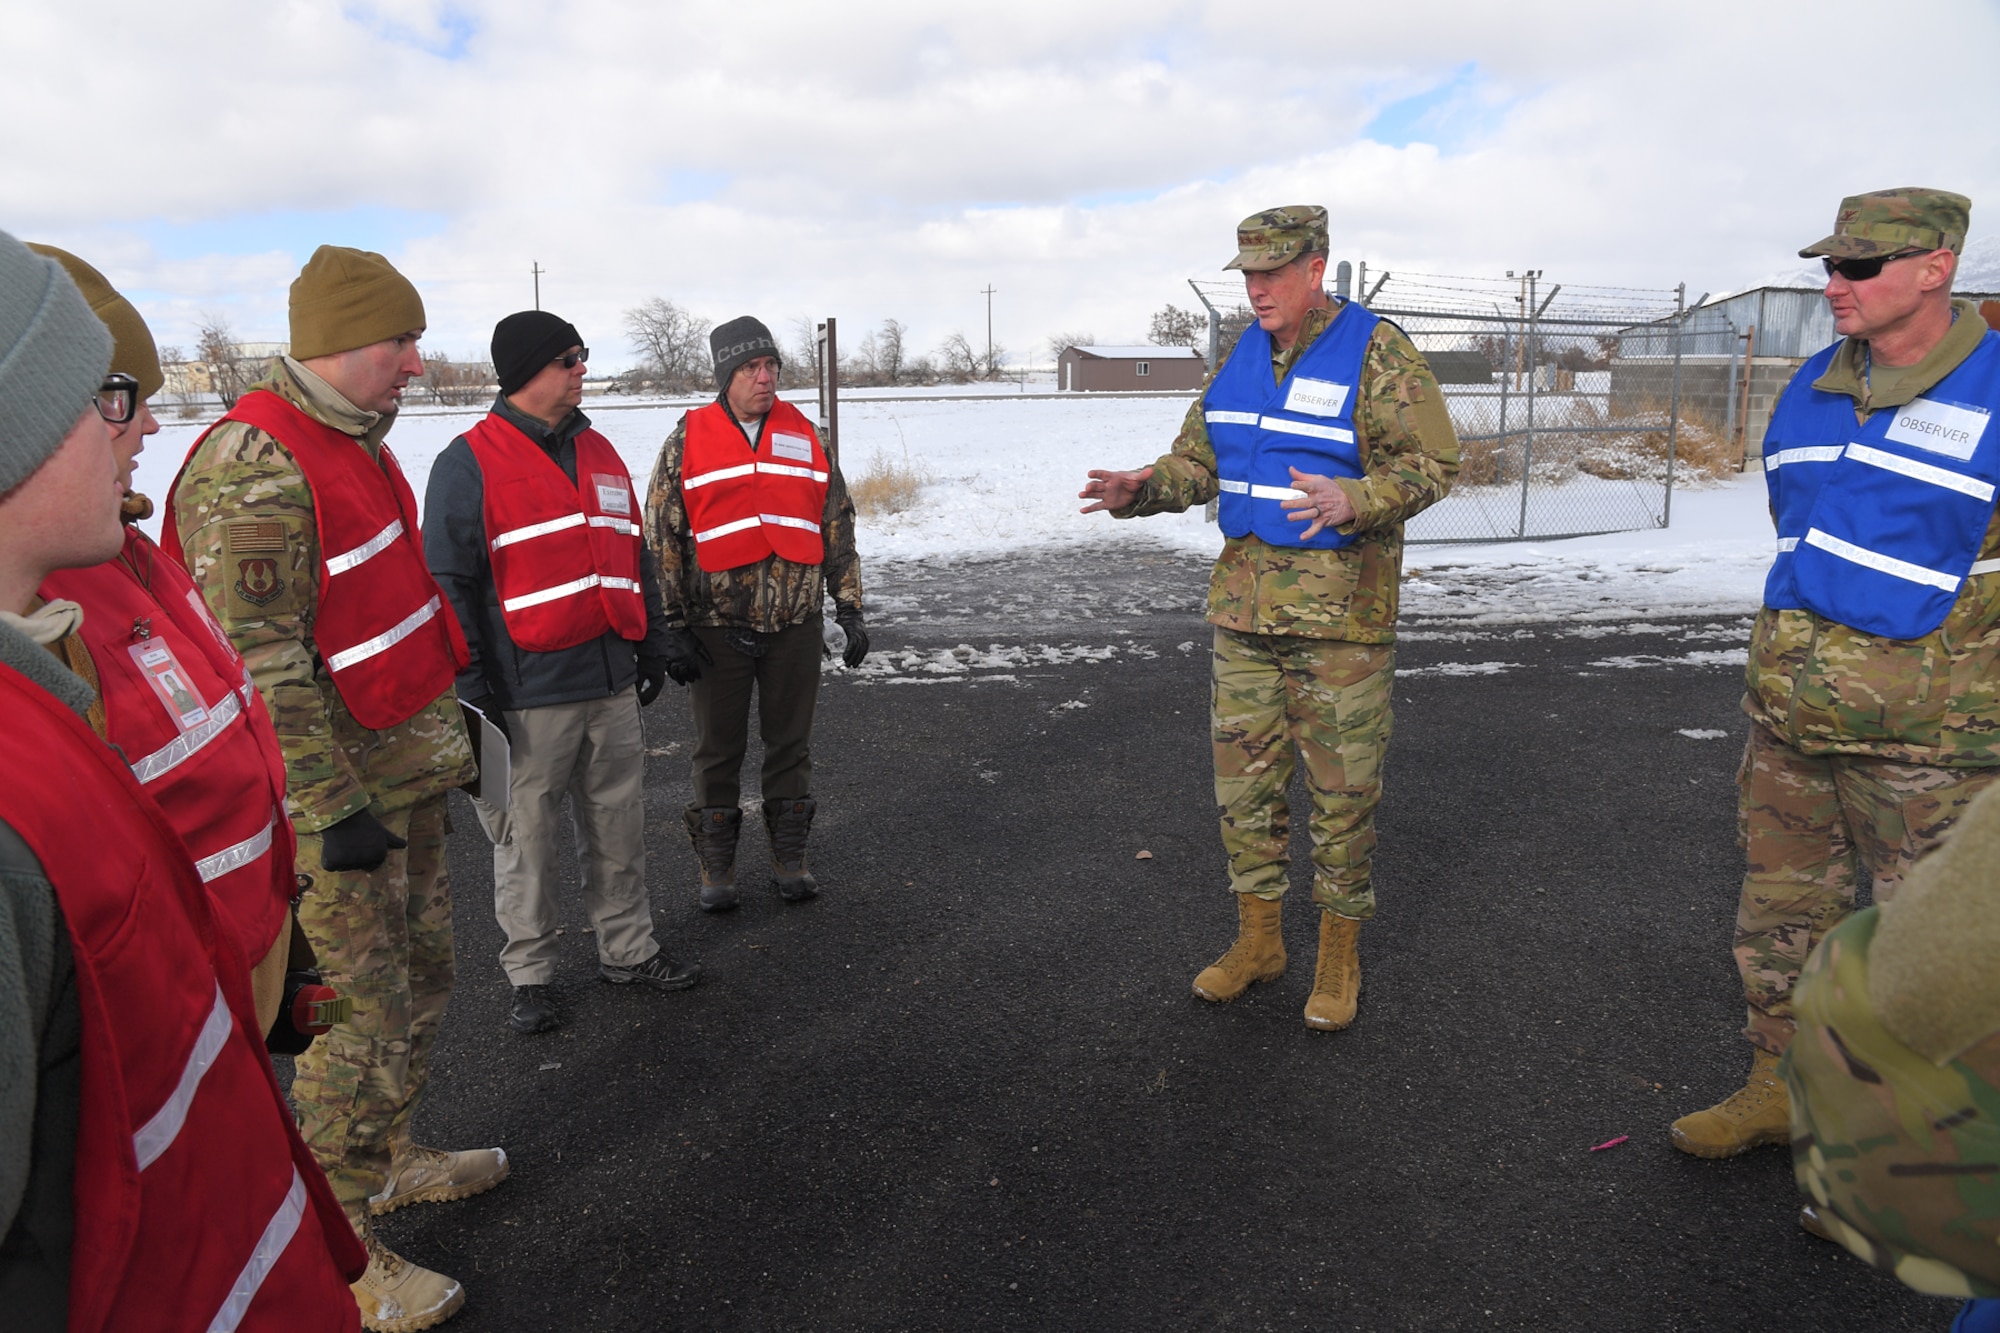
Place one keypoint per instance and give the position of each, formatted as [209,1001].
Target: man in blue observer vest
[1874,672]
[1319,435]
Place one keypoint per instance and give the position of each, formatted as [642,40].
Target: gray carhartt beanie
[53,356]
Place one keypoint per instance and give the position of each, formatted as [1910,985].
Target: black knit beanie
[742,339]
[526,341]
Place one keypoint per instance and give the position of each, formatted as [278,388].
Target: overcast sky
[873,160]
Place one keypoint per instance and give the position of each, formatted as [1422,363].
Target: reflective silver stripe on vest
[1911,468]
[720,474]
[623,585]
[1875,560]
[620,525]
[1818,453]
[158,1134]
[189,743]
[512,535]
[1983,567]
[725,529]
[1339,433]
[278,1233]
[540,595]
[786,521]
[361,652]
[1259,492]
[1231,418]
[785,470]
[1787,544]
[368,550]
[234,858]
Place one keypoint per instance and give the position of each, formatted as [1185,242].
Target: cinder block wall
[1642,385]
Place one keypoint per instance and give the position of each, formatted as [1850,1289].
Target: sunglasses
[117,399]
[571,360]
[1861,270]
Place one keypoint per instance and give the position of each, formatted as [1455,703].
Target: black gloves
[849,620]
[358,842]
[685,654]
[652,678]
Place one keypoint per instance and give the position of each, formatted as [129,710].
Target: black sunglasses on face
[1861,270]
[118,399]
[570,360]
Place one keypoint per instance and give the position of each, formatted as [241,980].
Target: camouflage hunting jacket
[1826,688]
[767,596]
[238,483]
[1409,456]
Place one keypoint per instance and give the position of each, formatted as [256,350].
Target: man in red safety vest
[753,529]
[150,1174]
[531,527]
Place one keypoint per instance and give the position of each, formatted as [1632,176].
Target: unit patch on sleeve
[258,549]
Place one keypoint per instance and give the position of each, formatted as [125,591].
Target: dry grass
[1635,449]
[887,485]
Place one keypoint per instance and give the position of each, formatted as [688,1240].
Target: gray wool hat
[53,356]
[742,339]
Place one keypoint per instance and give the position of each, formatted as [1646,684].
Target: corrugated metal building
[1097,369]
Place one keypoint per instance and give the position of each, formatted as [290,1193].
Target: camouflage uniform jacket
[1826,688]
[234,487]
[767,596]
[1409,456]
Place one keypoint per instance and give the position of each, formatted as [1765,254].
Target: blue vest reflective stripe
[1879,525]
[1261,430]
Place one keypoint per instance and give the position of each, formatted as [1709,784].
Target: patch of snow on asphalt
[1712,657]
[1458,669]
[1701,733]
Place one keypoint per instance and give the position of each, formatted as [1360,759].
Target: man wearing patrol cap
[1873,685]
[301,532]
[1322,432]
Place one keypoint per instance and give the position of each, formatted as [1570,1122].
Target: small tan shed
[1101,369]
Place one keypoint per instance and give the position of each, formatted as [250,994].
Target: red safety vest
[745,504]
[565,555]
[182,709]
[197,1204]
[387,636]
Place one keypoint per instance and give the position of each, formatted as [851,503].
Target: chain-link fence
[1568,423]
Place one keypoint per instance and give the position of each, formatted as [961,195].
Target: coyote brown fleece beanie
[133,351]
[53,355]
[345,299]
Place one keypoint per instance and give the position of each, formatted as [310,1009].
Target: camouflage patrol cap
[1275,237]
[1887,222]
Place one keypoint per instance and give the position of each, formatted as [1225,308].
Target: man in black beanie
[750,521]
[531,527]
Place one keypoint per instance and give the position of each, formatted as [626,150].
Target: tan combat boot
[396,1296]
[431,1175]
[1337,981]
[1757,1113]
[1257,955]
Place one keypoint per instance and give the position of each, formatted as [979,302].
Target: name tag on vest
[612,497]
[1941,428]
[164,673]
[1319,398]
[794,447]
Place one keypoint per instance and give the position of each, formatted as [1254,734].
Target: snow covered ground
[1002,476]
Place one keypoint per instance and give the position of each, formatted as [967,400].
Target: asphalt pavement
[968,1088]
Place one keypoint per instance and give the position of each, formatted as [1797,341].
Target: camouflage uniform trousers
[384,938]
[1811,826]
[1327,702]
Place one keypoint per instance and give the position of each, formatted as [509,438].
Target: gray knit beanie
[53,356]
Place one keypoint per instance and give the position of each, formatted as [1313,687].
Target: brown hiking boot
[713,831]
[1257,955]
[431,1175]
[788,823]
[1337,981]
[1757,1113]
[397,1296]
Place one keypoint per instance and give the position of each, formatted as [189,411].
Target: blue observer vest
[1880,525]
[1261,430]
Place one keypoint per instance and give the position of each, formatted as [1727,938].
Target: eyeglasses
[117,399]
[1861,270]
[571,360]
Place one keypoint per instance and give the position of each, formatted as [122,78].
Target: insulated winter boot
[788,823]
[1257,955]
[1757,1113]
[713,830]
[396,1296]
[431,1175]
[1337,982]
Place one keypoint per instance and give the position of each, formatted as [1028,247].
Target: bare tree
[1059,343]
[889,350]
[1175,327]
[959,362]
[802,364]
[672,343]
[991,360]
[216,350]
[1234,321]
[455,383]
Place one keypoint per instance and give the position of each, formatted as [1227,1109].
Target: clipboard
[492,753]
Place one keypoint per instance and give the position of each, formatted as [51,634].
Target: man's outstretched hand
[1112,490]
[1323,502]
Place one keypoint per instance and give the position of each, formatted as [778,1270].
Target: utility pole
[989,328]
[538,270]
